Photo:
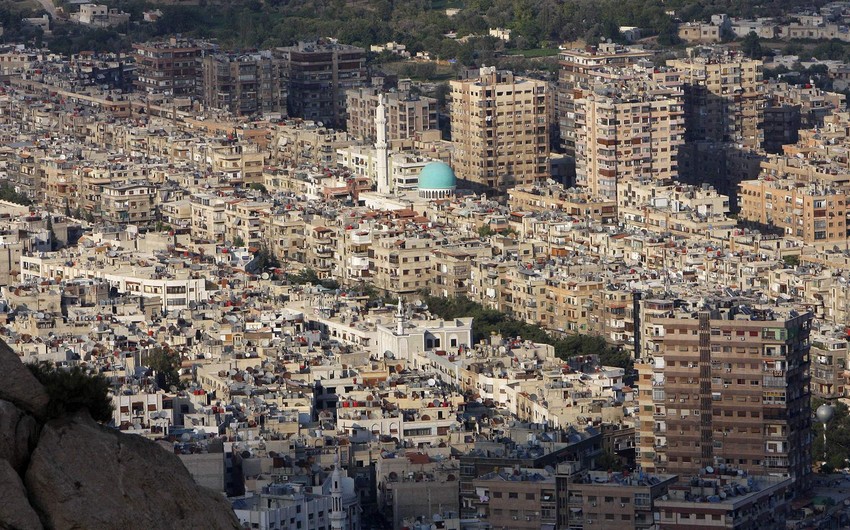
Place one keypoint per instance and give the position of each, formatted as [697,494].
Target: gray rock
[18,435]
[83,475]
[15,510]
[18,385]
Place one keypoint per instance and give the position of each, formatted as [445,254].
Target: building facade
[244,84]
[725,386]
[627,133]
[318,75]
[500,129]
[406,113]
[169,67]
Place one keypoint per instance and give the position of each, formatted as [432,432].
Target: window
[513,495]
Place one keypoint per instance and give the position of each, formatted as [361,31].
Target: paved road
[49,7]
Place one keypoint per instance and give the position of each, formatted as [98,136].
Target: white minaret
[383,172]
[337,515]
[399,318]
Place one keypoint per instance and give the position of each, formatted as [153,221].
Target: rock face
[83,475]
[18,385]
[71,473]
[18,436]
[15,510]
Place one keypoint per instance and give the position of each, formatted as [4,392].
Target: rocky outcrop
[72,472]
[15,510]
[83,475]
[18,385]
[18,436]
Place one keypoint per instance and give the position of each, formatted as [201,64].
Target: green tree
[837,436]
[791,261]
[72,390]
[165,365]
[751,46]
[488,321]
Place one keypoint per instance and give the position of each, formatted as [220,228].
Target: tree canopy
[419,24]
[488,321]
[73,390]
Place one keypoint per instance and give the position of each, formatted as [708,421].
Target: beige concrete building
[625,133]
[208,218]
[580,68]
[407,114]
[511,501]
[403,263]
[724,100]
[244,84]
[130,203]
[725,386]
[814,213]
[500,129]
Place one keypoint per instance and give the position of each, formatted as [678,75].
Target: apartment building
[318,75]
[814,213]
[244,84]
[516,499]
[128,203]
[243,222]
[208,217]
[725,384]
[169,67]
[723,500]
[407,113]
[724,98]
[601,499]
[403,264]
[549,196]
[500,129]
[582,447]
[580,68]
[627,132]
[829,361]
[791,108]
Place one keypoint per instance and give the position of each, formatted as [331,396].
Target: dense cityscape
[559,273]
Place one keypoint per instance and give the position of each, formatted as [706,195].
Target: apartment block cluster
[220,217]
[829,22]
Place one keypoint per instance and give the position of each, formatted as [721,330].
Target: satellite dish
[185,437]
[709,470]
[265,276]
[432,382]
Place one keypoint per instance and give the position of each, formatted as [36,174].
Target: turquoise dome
[437,176]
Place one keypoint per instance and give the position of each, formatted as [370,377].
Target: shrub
[72,390]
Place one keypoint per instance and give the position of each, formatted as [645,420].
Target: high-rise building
[406,113]
[724,385]
[724,99]
[169,67]
[500,129]
[627,131]
[724,119]
[318,75]
[243,84]
[581,68]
